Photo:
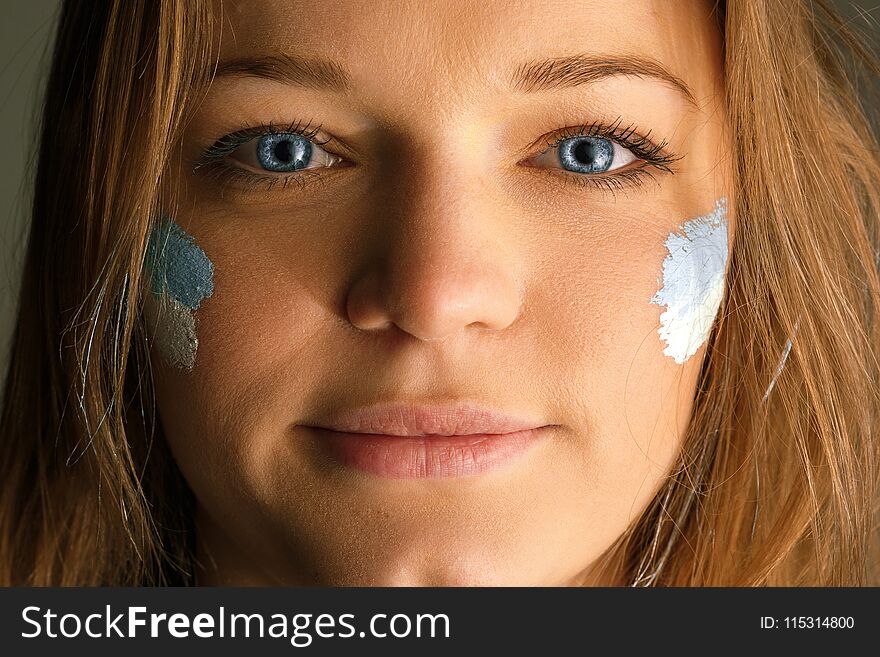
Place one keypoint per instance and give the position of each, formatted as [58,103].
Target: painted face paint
[181,276]
[693,282]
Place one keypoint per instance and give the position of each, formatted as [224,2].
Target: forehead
[433,48]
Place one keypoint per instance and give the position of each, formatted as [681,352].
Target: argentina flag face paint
[181,276]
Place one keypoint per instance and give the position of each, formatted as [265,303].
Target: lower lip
[426,457]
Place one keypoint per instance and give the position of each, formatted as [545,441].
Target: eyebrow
[529,77]
[313,74]
[574,70]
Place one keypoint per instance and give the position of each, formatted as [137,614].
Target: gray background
[26,28]
[25,32]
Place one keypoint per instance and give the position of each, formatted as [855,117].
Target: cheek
[258,346]
[259,342]
[619,359]
[251,326]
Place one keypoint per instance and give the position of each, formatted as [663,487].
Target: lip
[417,441]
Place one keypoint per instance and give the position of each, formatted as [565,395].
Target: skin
[435,265]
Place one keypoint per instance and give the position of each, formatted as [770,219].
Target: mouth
[406,441]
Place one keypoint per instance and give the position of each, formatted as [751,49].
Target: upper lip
[406,419]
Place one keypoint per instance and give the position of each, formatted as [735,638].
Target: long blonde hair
[777,482]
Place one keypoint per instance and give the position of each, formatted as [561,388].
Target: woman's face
[462,223]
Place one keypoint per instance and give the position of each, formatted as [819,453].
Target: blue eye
[262,151]
[285,151]
[586,154]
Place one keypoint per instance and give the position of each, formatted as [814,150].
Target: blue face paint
[179,266]
[181,276]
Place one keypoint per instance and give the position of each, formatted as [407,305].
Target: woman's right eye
[281,152]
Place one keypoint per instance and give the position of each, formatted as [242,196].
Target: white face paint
[693,282]
[174,329]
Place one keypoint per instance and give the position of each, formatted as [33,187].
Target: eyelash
[651,155]
[212,160]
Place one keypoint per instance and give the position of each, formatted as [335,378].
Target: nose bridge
[445,261]
[437,204]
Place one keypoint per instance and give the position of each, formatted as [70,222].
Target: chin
[447,573]
[447,566]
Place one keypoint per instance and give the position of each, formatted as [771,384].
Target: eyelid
[616,146]
[233,140]
[255,167]
[641,145]
[647,153]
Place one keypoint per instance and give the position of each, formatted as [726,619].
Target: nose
[445,262]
